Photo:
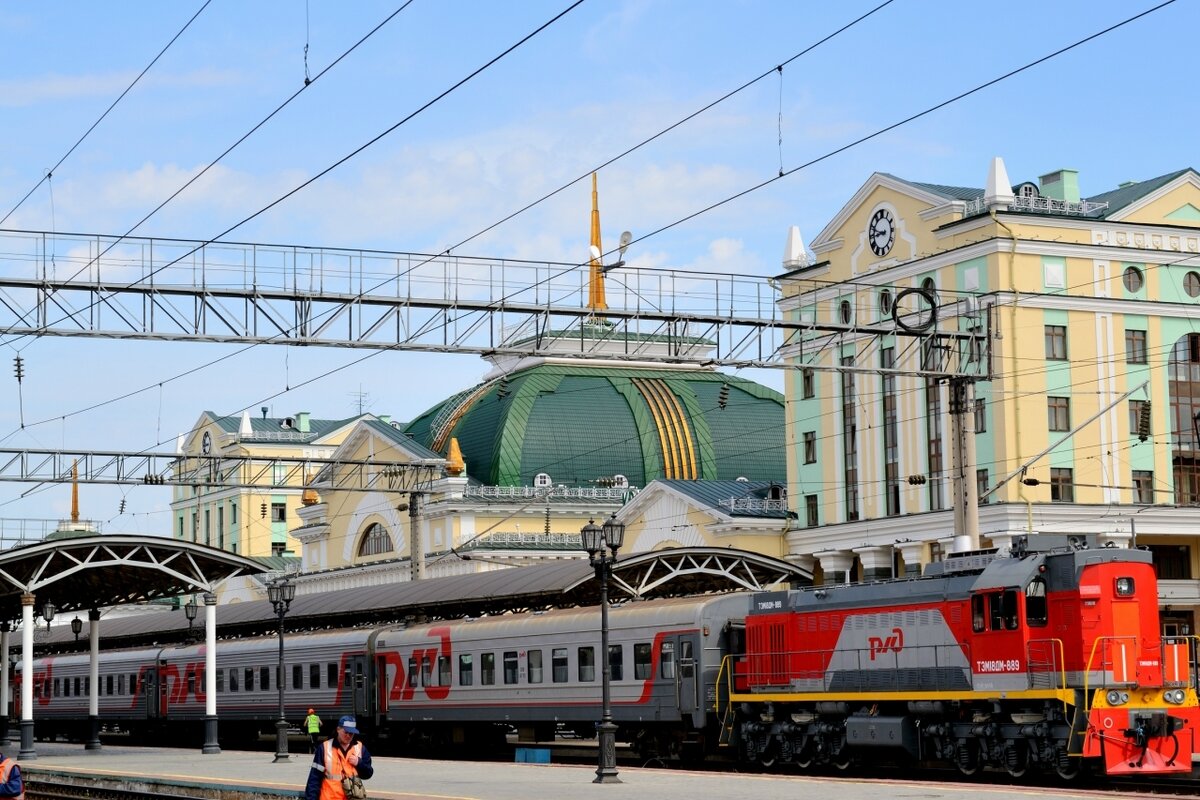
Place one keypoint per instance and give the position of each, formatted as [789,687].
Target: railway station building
[1081,313]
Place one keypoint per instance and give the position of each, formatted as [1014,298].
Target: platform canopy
[661,573]
[84,572]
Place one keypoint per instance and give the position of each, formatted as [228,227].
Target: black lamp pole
[595,541]
[281,593]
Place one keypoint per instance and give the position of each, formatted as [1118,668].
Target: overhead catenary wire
[59,163]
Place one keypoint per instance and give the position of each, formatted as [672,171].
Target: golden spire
[455,465]
[596,283]
[75,490]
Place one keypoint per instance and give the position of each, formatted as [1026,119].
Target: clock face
[882,232]
[206,443]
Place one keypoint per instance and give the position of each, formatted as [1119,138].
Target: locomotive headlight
[1174,696]
[1124,587]
[1116,698]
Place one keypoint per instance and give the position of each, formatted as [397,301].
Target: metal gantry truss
[240,472]
[57,284]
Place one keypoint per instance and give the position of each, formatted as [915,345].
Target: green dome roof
[580,424]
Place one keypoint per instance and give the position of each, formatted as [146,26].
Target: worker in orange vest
[11,782]
[339,763]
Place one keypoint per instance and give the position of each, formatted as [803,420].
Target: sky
[602,78]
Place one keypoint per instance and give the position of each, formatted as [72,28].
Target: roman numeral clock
[882,232]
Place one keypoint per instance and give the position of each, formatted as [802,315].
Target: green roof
[581,423]
[279,428]
[1130,193]
[719,494]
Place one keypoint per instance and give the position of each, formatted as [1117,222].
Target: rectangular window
[466,669]
[427,669]
[891,434]
[443,670]
[810,447]
[278,548]
[414,672]
[278,512]
[849,442]
[331,675]
[808,380]
[981,486]
[587,664]
[534,659]
[1135,419]
[1135,346]
[248,679]
[220,680]
[558,665]
[510,666]
[121,684]
[314,676]
[109,683]
[1058,413]
[208,527]
[810,510]
[264,677]
[1062,485]
[233,680]
[191,684]
[233,513]
[641,661]
[666,660]
[1056,342]
[980,415]
[487,669]
[297,676]
[221,527]
[616,660]
[1143,486]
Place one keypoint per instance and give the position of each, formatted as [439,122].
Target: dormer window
[775,492]
[542,481]
[1027,190]
[620,482]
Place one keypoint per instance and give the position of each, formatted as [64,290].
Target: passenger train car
[1048,660]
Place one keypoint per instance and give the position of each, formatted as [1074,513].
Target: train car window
[233,681]
[191,683]
[314,676]
[220,680]
[87,685]
[560,673]
[120,684]
[264,678]
[666,660]
[1035,603]
[331,676]
[109,681]
[587,664]
[466,669]
[66,689]
[297,676]
[977,617]
[248,680]
[510,666]
[534,659]
[443,670]
[57,687]
[487,669]
[641,661]
[427,669]
[687,664]
[616,660]
[414,675]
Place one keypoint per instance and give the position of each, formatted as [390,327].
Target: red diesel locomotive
[1050,660]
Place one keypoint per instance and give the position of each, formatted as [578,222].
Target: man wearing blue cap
[337,762]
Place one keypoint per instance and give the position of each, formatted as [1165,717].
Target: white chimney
[245,429]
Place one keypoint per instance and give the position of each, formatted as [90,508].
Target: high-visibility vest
[313,722]
[6,768]
[336,767]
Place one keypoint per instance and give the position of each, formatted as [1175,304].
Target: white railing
[753,504]
[1041,205]
[613,495]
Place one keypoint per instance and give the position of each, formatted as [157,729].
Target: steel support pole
[606,772]
[281,726]
[27,753]
[93,743]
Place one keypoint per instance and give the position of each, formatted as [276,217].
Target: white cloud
[53,88]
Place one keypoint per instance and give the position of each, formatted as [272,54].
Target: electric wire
[86,133]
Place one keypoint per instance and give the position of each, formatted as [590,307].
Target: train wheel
[841,761]
[1067,769]
[1016,759]
[966,759]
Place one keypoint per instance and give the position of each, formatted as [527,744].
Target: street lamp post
[77,627]
[281,593]
[596,540]
[190,609]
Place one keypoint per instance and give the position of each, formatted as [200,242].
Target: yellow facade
[1018,269]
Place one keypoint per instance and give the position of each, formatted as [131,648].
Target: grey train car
[452,682]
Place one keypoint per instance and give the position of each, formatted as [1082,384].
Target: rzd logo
[892,644]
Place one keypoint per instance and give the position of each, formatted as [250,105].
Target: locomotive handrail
[724,718]
[1091,662]
[1192,642]
[1058,657]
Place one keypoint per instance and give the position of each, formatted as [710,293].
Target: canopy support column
[211,745]
[27,753]
[94,671]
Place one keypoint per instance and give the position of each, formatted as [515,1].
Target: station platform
[241,775]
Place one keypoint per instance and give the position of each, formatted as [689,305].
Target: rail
[725,717]
[1046,666]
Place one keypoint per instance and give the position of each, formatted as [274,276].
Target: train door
[154,690]
[677,662]
[355,683]
[998,647]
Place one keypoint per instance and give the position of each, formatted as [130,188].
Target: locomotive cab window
[1125,587]
[1035,603]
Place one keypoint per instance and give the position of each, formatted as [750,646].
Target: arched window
[542,480]
[375,541]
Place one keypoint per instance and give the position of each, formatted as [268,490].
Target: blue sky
[603,78]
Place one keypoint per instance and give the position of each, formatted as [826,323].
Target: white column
[27,752]
[211,745]
[4,678]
